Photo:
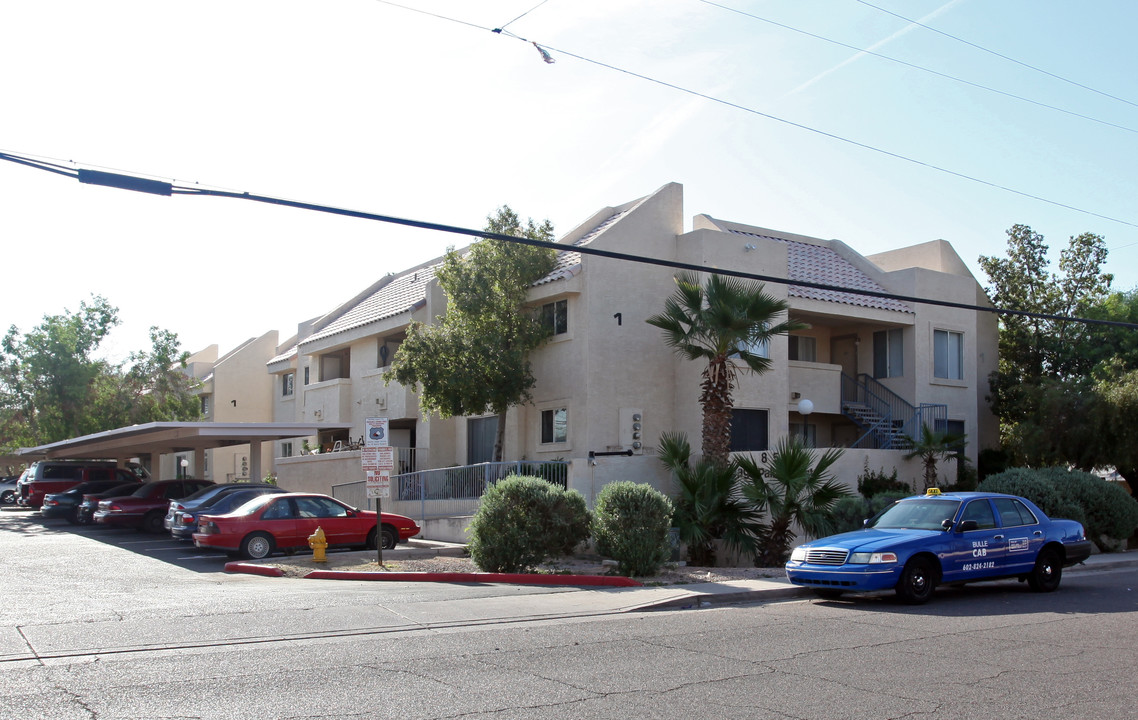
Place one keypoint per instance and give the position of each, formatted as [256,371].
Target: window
[205,405]
[748,430]
[762,347]
[888,354]
[555,316]
[1013,513]
[948,355]
[803,348]
[554,426]
[286,448]
[306,379]
[807,431]
[981,512]
[287,381]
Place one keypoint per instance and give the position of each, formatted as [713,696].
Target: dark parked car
[182,517]
[55,476]
[146,506]
[85,512]
[950,538]
[8,492]
[284,522]
[66,504]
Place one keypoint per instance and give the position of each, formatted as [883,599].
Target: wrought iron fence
[449,492]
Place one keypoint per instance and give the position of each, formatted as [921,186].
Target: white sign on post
[376,432]
[379,485]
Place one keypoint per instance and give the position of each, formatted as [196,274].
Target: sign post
[378,461]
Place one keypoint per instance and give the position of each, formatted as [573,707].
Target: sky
[774,113]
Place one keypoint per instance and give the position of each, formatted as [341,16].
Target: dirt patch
[299,566]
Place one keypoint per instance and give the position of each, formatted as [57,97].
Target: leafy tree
[54,387]
[726,323]
[794,489]
[931,447]
[476,359]
[709,505]
[1038,355]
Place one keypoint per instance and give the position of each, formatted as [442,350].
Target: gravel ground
[298,566]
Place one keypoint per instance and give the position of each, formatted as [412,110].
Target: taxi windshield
[918,514]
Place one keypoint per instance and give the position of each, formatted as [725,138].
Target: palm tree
[795,490]
[709,505]
[728,323]
[932,447]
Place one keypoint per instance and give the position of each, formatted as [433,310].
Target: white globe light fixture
[805,406]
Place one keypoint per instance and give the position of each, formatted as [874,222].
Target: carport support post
[379,531]
[255,461]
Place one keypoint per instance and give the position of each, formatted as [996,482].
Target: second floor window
[803,348]
[205,405]
[287,381]
[948,355]
[555,316]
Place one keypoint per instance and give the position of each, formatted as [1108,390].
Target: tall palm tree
[727,323]
[795,489]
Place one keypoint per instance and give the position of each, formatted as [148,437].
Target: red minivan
[55,476]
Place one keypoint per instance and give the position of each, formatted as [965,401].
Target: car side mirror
[865,523]
[967,525]
[946,524]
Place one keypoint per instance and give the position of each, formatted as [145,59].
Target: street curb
[459,577]
[253,569]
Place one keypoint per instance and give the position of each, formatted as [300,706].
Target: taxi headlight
[798,554]
[864,558]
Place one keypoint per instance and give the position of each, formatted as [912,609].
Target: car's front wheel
[917,582]
[1047,573]
[389,536]
[257,546]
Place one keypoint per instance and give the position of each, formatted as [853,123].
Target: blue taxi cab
[942,538]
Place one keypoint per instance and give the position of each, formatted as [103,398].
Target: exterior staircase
[889,421]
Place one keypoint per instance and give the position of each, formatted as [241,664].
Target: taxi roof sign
[932,491]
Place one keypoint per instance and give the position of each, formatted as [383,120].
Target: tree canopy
[476,358]
[53,385]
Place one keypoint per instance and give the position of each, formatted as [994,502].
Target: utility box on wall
[632,430]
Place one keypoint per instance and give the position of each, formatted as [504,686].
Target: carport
[161,438]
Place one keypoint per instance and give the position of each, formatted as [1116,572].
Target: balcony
[821,383]
[328,401]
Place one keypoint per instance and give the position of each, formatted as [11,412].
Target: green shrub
[1104,509]
[872,482]
[522,522]
[630,525]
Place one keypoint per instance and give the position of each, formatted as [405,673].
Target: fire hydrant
[319,544]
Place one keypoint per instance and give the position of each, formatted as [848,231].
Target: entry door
[843,351]
[480,436]
[981,552]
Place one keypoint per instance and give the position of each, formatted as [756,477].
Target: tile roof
[819,264]
[569,261]
[393,298]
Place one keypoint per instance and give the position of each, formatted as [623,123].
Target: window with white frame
[888,354]
[286,448]
[287,384]
[555,316]
[205,405]
[554,426]
[948,355]
[803,348]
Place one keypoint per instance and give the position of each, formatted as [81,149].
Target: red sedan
[284,521]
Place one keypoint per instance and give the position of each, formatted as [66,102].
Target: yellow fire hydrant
[319,544]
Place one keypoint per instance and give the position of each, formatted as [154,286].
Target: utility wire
[157,187]
[519,17]
[999,55]
[922,68]
[753,111]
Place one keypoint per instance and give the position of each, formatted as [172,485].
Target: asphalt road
[96,629]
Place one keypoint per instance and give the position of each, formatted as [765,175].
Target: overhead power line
[801,126]
[999,55]
[160,187]
[922,68]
